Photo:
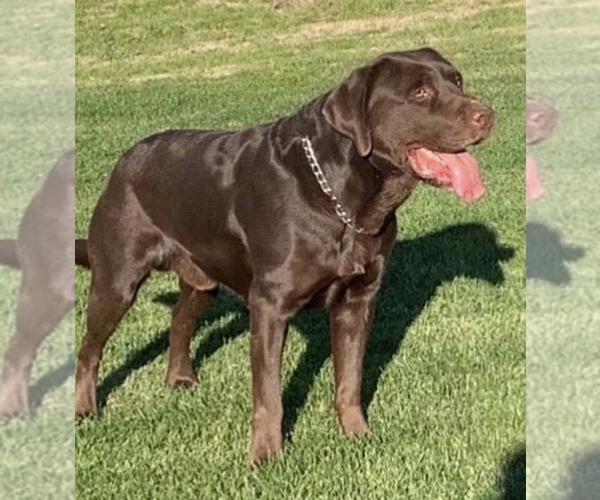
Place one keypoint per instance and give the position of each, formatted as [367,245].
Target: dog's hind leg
[39,310]
[124,247]
[191,304]
[113,288]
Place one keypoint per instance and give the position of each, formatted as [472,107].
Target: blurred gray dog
[44,252]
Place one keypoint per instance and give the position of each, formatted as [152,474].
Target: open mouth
[457,171]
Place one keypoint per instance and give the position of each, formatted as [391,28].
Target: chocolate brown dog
[296,213]
[44,253]
[540,122]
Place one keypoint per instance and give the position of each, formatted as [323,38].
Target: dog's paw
[181,378]
[13,404]
[85,407]
[352,421]
[11,412]
[81,415]
[181,381]
[266,444]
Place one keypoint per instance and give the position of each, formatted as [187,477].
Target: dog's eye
[421,94]
[458,81]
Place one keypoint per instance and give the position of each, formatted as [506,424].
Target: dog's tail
[8,254]
[10,257]
[82,257]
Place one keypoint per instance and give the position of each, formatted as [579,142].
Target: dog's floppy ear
[346,109]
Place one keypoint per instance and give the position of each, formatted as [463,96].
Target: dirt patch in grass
[223,71]
[292,4]
[333,29]
[538,6]
[212,73]
[200,47]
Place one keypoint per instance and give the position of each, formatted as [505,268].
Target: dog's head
[410,109]
[540,122]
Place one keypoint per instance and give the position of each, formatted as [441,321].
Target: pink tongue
[533,182]
[464,175]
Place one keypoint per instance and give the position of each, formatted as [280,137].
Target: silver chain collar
[326,188]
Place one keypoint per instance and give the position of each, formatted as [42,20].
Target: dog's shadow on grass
[548,255]
[416,269]
[50,381]
[583,482]
[512,481]
[225,304]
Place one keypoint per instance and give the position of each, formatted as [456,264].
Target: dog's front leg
[268,325]
[350,320]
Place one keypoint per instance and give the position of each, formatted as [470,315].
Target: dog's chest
[354,257]
[351,263]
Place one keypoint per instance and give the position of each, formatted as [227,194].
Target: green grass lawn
[563,347]
[37,104]
[445,375]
